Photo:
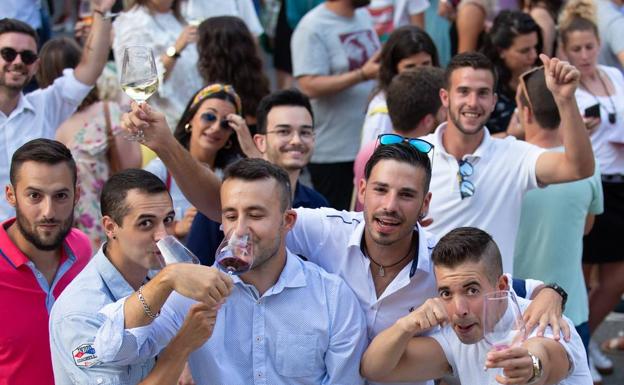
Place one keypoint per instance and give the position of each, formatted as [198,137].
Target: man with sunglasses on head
[38,114]
[480,181]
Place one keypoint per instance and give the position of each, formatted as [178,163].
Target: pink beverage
[230,263]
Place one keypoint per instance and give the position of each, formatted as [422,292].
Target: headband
[216,88]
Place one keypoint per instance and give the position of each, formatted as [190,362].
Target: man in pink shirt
[415,109]
[40,254]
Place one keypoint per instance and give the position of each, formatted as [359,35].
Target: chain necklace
[612,115]
[382,269]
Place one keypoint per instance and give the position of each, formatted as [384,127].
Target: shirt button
[258,339]
[259,374]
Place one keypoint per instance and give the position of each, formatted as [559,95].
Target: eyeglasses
[419,144]
[209,117]
[466,188]
[524,78]
[9,54]
[287,133]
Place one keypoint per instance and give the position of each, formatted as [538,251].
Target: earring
[188,127]
[228,145]
[421,217]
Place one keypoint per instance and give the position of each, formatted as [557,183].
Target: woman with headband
[213,131]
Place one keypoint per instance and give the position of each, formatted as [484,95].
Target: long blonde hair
[578,15]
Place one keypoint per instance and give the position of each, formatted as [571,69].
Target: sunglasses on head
[419,144]
[524,78]
[209,117]
[9,54]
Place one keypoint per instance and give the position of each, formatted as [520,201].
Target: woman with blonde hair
[601,98]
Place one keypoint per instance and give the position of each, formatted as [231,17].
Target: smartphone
[593,111]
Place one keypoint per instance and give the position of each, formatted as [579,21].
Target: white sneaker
[602,363]
[596,377]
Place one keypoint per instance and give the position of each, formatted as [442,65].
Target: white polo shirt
[332,239]
[37,115]
[503,170]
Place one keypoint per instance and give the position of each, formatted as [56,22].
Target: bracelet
[146,307]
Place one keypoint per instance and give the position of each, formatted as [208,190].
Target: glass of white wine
[139,78]
[192,12]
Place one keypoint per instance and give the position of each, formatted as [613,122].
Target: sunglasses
[209,117]
[9,54]
[524,78]
[466,188]
[419,144]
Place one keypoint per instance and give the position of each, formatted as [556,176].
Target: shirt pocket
[295,354]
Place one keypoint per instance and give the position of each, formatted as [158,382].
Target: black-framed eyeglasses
[419,144]
[209,117]
[466,188]
[9,54]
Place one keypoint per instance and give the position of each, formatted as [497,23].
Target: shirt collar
[479,152]
[113,279]
[22,104]
[12,254]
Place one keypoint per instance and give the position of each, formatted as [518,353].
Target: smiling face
[207,134]
[149,218]
[582,48]
[462,288]
[394,196]
[44,197]
[289,141]
[421,59]
[522,53]
[469,99]
[15,75]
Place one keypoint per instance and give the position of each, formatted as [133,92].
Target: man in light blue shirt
[137,211]
[287,320]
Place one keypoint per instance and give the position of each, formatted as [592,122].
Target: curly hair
[506,27]
[577,15]
[228,54]
[403,43]
[225,155]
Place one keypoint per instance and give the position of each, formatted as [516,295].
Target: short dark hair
[13,25]
[474,60]
[291,97]
[253,169]
[469,244]
[412,95]
[115,191]
[48,151]
[542,103]
[401,152]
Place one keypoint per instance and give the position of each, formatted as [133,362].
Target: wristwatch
[538,369]
[172,52]
[561,292]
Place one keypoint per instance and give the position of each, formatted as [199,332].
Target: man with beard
[467,265]
[38,114]
[334,59]
[287,320]
[137,211]
[480,181]
[41,254]
[285,138]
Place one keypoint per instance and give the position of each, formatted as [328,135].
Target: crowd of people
[391,161]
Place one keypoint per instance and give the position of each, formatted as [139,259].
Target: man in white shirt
[480,181]
[39,113]
[467,265]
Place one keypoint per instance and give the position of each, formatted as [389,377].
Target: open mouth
[471,115]
[464,329]
[387,224]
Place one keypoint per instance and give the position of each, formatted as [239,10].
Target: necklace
[382,269]
[612,115]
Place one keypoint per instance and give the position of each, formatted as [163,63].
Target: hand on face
[430,314]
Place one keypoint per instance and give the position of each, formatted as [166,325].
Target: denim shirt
[74,322]
[306,329]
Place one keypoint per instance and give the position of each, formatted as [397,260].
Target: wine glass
[503,325]
[173,251]
[235,255]
[193,12]
[139,78]
[85,13]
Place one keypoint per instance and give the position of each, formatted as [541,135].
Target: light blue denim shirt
[306,329]
[74,321]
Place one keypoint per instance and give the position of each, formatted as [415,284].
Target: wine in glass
[503,325]
[139,78]
[85,13]
[235,255]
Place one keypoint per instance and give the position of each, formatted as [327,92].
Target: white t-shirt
[377,120]
[467,360]
[503,170]
[243,9]
[608,139]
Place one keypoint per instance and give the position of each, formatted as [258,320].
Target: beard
[456,121]
[28,231]
[15,87]
[359,3]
